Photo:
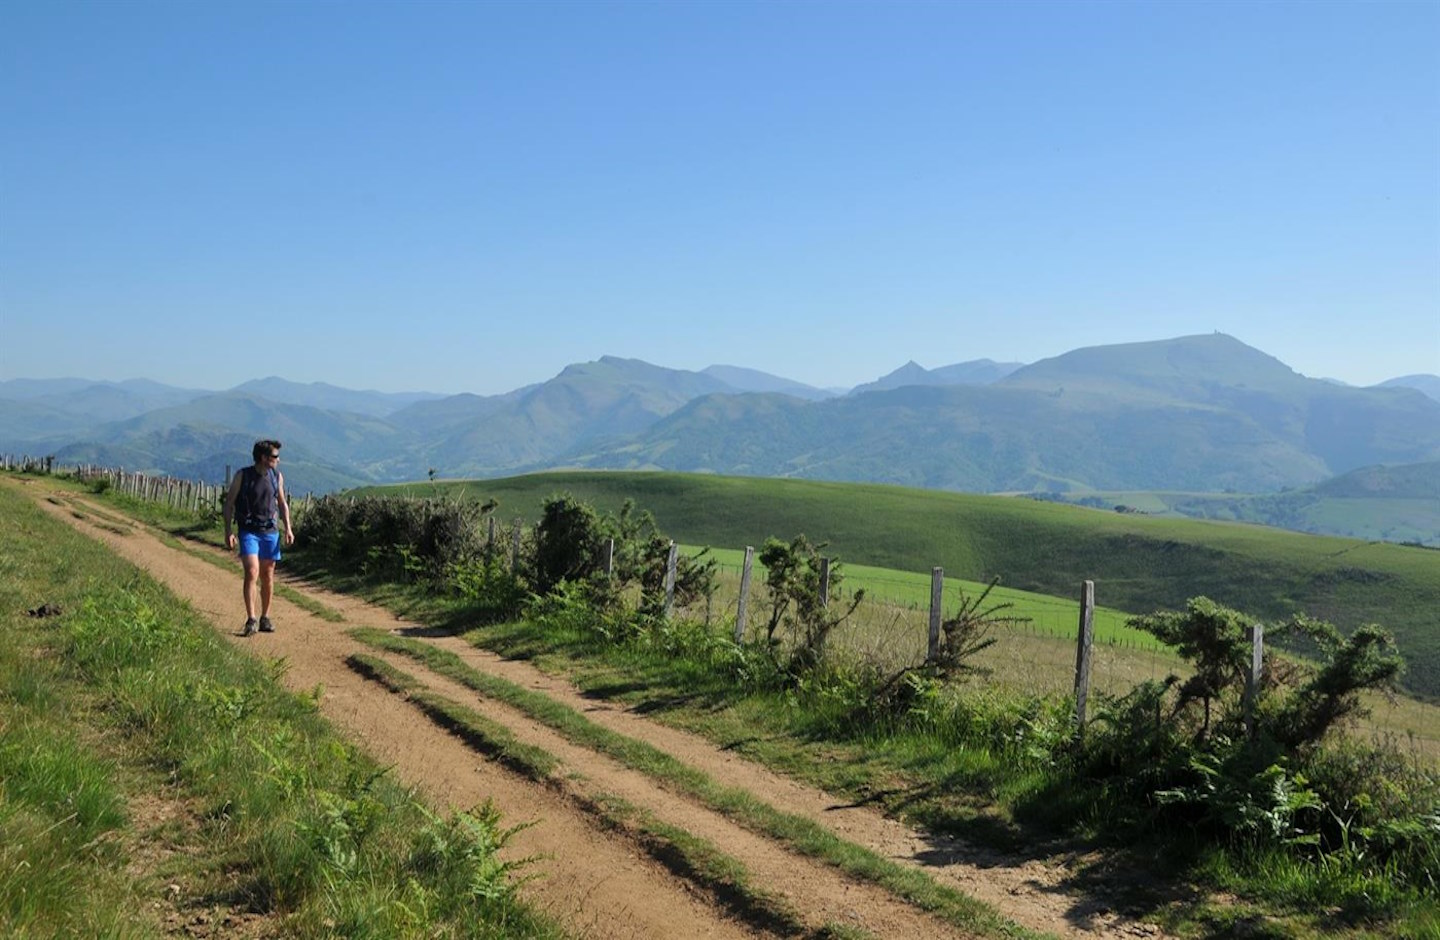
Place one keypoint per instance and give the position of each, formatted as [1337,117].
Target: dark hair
[263,449]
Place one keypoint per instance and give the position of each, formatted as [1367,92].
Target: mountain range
[1203,414]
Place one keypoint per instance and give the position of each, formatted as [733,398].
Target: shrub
[1330,695]
[492,590]
[394,537]
[568,544]
[1212,639]
[797,603]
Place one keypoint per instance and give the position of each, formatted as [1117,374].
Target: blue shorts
[264,544]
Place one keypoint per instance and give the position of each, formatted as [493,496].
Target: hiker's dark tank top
[255,504]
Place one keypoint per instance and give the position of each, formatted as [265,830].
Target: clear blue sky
[469,196]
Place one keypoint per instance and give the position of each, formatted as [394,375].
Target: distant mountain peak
[1425,384]
[974,372]
[753,380]
[1161,366]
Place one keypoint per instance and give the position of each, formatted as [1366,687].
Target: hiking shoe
[266,626]
[249,627]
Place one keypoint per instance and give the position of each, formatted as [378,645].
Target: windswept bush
[800,616]
[569,544]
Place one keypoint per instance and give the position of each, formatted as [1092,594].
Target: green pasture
[890,628]
[888,589]
[1382,516]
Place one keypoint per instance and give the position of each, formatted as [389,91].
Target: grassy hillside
[1139,563]
[1390,503]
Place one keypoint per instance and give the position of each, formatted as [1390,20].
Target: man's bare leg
[252,571]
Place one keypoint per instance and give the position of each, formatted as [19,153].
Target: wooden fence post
[670,578]
[515,548]
[1255,633]
[937,600]
[1082,653]
[744,593]
[824,582]
[609,558]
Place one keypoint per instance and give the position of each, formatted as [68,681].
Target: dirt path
[601,884]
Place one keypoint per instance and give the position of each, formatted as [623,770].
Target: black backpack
[255,518]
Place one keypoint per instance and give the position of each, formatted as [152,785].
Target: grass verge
[139,751]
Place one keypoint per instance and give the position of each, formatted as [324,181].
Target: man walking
[255,502]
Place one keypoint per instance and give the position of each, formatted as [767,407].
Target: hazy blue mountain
[205,454]
[437,415]
[967,438]
[975,372]
[911,373]
[29,426]
[1200,413]
[20,389]
[606,399]
[332,397]
[1345,427]
[97,402]
[1404,481]
[753,380]
[363,447]
[1210,368]
[1428,384]
[1392,503]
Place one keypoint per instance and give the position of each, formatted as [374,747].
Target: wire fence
[1035,656]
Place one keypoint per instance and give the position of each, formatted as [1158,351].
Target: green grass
[1052,616]
[1139,563]
[128,697]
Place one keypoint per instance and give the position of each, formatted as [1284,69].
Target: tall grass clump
[325,826]
[58,812]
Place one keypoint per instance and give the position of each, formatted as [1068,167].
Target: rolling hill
[1390,503]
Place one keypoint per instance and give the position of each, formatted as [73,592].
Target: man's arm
[283,502]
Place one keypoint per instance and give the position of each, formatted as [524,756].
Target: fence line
[174,492]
